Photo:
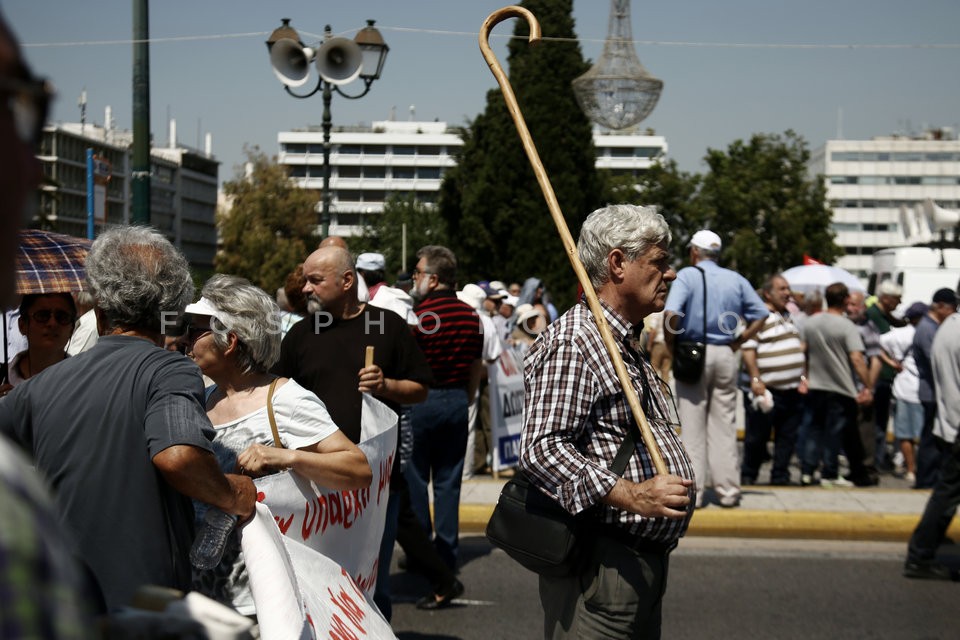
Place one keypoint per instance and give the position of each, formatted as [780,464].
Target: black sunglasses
[43,317]
[28,100]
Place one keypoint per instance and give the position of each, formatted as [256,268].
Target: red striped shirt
[450,337]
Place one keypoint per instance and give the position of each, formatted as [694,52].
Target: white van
[920,271]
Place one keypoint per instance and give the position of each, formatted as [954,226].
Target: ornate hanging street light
[618,92]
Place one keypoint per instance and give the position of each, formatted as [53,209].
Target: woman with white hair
[234,337]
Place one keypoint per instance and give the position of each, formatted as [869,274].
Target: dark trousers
[928,454]
[940,508]
[882,397]
[784,421]
[834,424]
[618,593]
[439,444]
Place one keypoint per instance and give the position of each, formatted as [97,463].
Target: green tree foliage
[497,219]
[384,234]
[760,199]
[673,191]
[271,227]
[757,196]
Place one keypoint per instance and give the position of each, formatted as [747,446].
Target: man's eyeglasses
[43,317]
[417,272]
[28,100]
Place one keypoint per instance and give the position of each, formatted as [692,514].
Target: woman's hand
[258,460]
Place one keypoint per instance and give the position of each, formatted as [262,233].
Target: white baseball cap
[706,239]
[204,307]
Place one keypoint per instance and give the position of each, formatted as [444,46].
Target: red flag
[808,260]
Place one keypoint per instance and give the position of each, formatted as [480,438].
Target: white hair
[249,313]
[630,228]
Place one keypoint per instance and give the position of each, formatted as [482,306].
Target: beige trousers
[708,411]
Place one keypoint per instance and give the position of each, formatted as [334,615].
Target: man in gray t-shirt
[120,431]
[834,353]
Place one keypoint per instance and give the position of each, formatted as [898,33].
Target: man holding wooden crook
[576,416]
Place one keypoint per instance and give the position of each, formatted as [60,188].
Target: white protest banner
[317,599]
[506,408]
[345,526]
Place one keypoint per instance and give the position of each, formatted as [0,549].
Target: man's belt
[632,541]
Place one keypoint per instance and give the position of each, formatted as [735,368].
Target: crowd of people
[141,406]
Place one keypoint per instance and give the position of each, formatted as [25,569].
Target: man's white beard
[314,305]
[419,290]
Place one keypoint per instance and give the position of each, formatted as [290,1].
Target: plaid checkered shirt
[576,417]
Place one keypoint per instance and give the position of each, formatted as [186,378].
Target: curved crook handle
[613,349]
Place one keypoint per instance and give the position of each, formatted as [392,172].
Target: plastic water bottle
[211,540]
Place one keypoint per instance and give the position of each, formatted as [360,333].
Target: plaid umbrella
[50,262]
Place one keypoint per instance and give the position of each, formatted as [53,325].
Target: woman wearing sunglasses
[47,321]
[234,337]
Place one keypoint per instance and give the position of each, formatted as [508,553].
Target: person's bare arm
[753,370]
[859,364]
[476,374]
[665,496]
[334,462]
[373,381]
[194,472]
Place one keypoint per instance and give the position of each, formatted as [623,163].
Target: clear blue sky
[714,93]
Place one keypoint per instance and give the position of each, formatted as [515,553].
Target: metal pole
[327,125]
[90,198]
[140,173]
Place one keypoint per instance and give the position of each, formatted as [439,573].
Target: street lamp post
[339,61]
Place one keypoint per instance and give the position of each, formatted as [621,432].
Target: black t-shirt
[93,423]
[326,355]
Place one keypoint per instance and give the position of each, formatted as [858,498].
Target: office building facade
[870,183]
[370,164]
[183,187]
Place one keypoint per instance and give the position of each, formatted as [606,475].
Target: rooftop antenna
[413,112]
[82,103]
[839,123]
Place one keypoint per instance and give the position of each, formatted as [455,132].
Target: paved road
[719,588]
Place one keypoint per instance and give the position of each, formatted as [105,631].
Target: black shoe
[747,482]
[929,571]
[865,480]
[430,602]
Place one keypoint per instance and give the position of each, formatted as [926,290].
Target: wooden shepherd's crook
[492,20]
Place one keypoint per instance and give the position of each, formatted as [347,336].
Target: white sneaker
[910,477]
[838,483]
[807,480]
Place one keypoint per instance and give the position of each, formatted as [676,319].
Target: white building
[869,181]
[369,164]
[183,186]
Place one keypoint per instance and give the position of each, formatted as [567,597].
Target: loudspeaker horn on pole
[339,60]
[291,61]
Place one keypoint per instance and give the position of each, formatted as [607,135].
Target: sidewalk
[887,513]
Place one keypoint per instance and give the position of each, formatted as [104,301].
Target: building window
[845,226]
[350,149]
[375,149]
[404,173]
[404,150]
[298,170]
[291,147]
[429,173]
[350,172]
[349,219]
[375,173]
[315,148]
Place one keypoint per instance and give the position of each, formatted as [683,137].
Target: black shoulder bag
[689,357]
[535,530]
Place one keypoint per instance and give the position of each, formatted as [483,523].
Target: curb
[798,525]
